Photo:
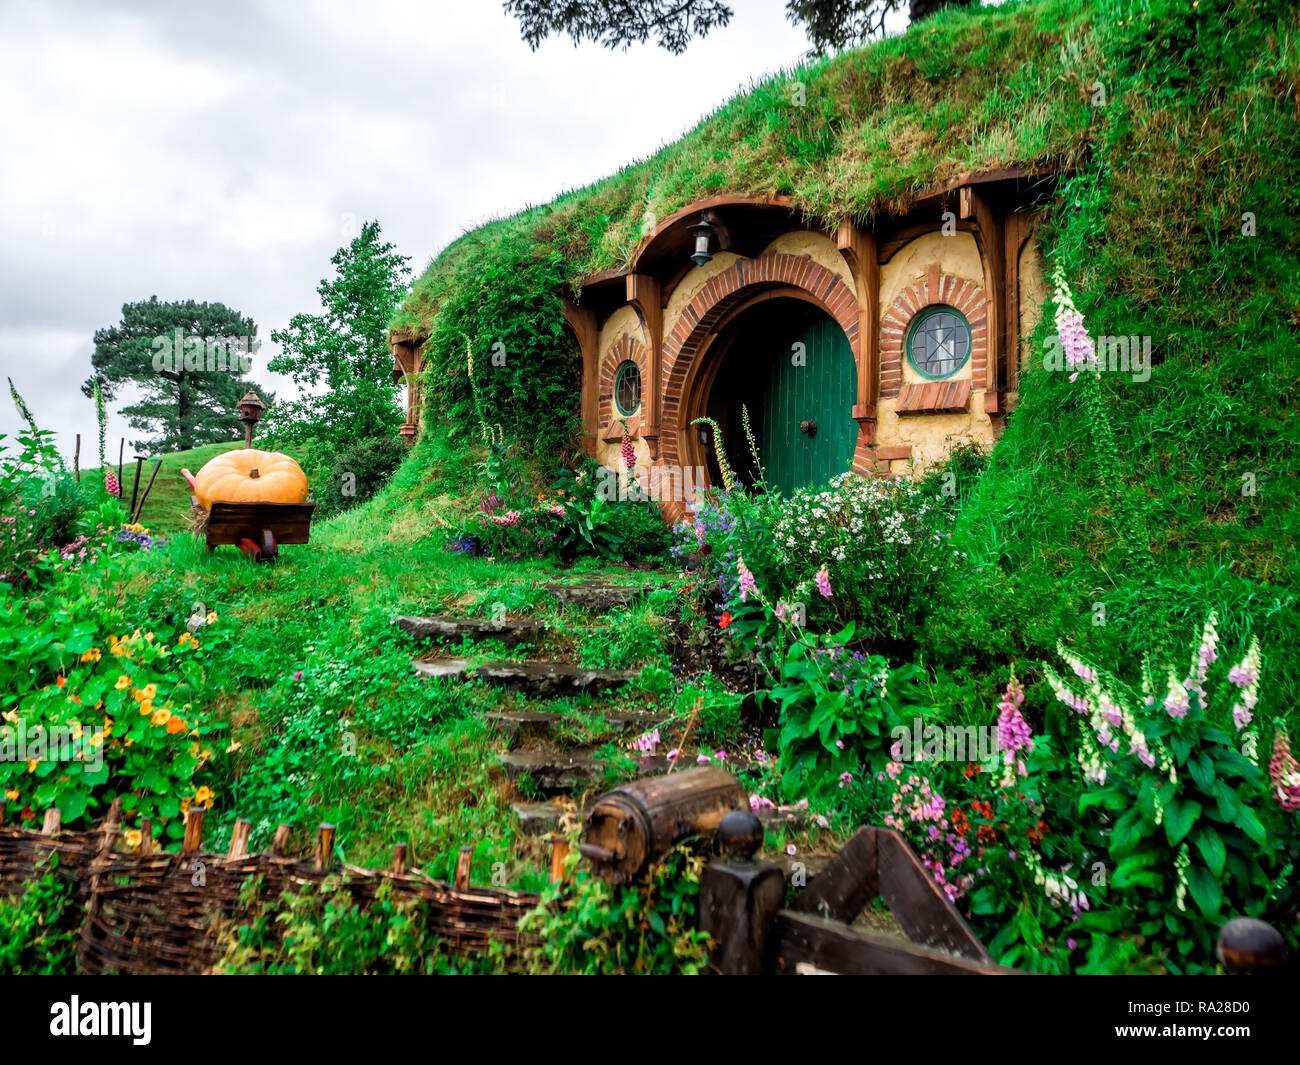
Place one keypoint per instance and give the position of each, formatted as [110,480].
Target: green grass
[167,509]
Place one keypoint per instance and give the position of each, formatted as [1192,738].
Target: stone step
[510,633]
[540,724]
[543,680]
[555,772]
[598,595]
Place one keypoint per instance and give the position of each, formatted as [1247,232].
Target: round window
[627,388]
[938,344]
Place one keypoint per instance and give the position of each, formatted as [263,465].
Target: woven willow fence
[159,912]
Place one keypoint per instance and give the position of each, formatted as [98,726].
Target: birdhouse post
[250,413]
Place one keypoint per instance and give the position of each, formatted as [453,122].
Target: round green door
[808,433]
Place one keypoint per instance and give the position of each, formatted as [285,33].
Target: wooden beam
[991,240]
[644,294]
[829,946]
[916,902]
[846,885]
[582,320]
[859,251]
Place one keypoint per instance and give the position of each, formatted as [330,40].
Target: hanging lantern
[702,232]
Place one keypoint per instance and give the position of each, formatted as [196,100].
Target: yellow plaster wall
[931,436]
[689,286]
[1033,291]
[624,321]
[818,247]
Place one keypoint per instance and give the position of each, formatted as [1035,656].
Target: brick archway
[624,349]
[701,317]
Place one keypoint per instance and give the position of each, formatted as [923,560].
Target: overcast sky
[218,151]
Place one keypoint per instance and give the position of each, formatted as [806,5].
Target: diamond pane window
[627,389]
[938,343]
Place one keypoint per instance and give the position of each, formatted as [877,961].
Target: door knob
[809,426]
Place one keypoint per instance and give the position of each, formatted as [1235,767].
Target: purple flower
[297,675]
[747,584]
[823,579]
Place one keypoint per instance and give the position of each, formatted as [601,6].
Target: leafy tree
[831,24]
[189,359]
[340,359]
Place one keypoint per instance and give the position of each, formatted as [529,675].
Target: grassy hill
[167,509]
[1179,223]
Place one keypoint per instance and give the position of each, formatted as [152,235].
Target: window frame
[619,375]
[915,324]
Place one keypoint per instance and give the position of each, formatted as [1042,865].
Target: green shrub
[358,472]
[39,927]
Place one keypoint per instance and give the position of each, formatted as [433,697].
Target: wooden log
[76,460]
[281,839]
[464,860]
[147,489]
[146,835]
[193,841]
[239,838]
[399,860]
[53,819]
[3,803]
[323,860]
[630,826]
[559,855]
[805,943]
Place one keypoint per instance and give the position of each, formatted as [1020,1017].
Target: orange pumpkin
[247,475]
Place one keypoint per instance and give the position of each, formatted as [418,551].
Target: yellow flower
[234,746]
[204,796]
[93,655]
[149,636]
[123,682]
[149,691]
[133,837]
[212,617]
[185,639]
[11,794]
[161,717]
[32,763]
[146,707]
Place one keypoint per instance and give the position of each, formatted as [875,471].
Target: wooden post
[3,803]
[53,819]
[559,854]
[135,485]
[399,860]
[281,839]
[739,897]
[146,835]
[121,450]
[324,858]
[1249,947]
[193,830]
[76,460]
[463,862]
[239,838]
[147,488]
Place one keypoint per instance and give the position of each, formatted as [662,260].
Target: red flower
[28,813]
[724,621]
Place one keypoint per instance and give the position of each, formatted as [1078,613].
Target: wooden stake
[281,839]
[146,836]
[53,819]
[121,450]
[135,485]
[399,858]
[463,862]
[559,854]
[3,803]
[193,830]
[239,838]
[76,460]
[324,859]
[147,488]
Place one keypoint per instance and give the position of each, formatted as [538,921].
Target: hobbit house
[876,349]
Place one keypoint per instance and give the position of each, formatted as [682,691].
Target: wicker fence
[159,912]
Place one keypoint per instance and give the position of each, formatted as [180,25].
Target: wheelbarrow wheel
[268,550]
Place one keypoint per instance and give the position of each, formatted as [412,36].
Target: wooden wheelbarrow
[258,529]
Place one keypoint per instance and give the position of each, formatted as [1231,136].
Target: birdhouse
[250,413]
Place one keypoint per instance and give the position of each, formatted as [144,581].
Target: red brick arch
[934,289]
[719,295]
[624,349]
